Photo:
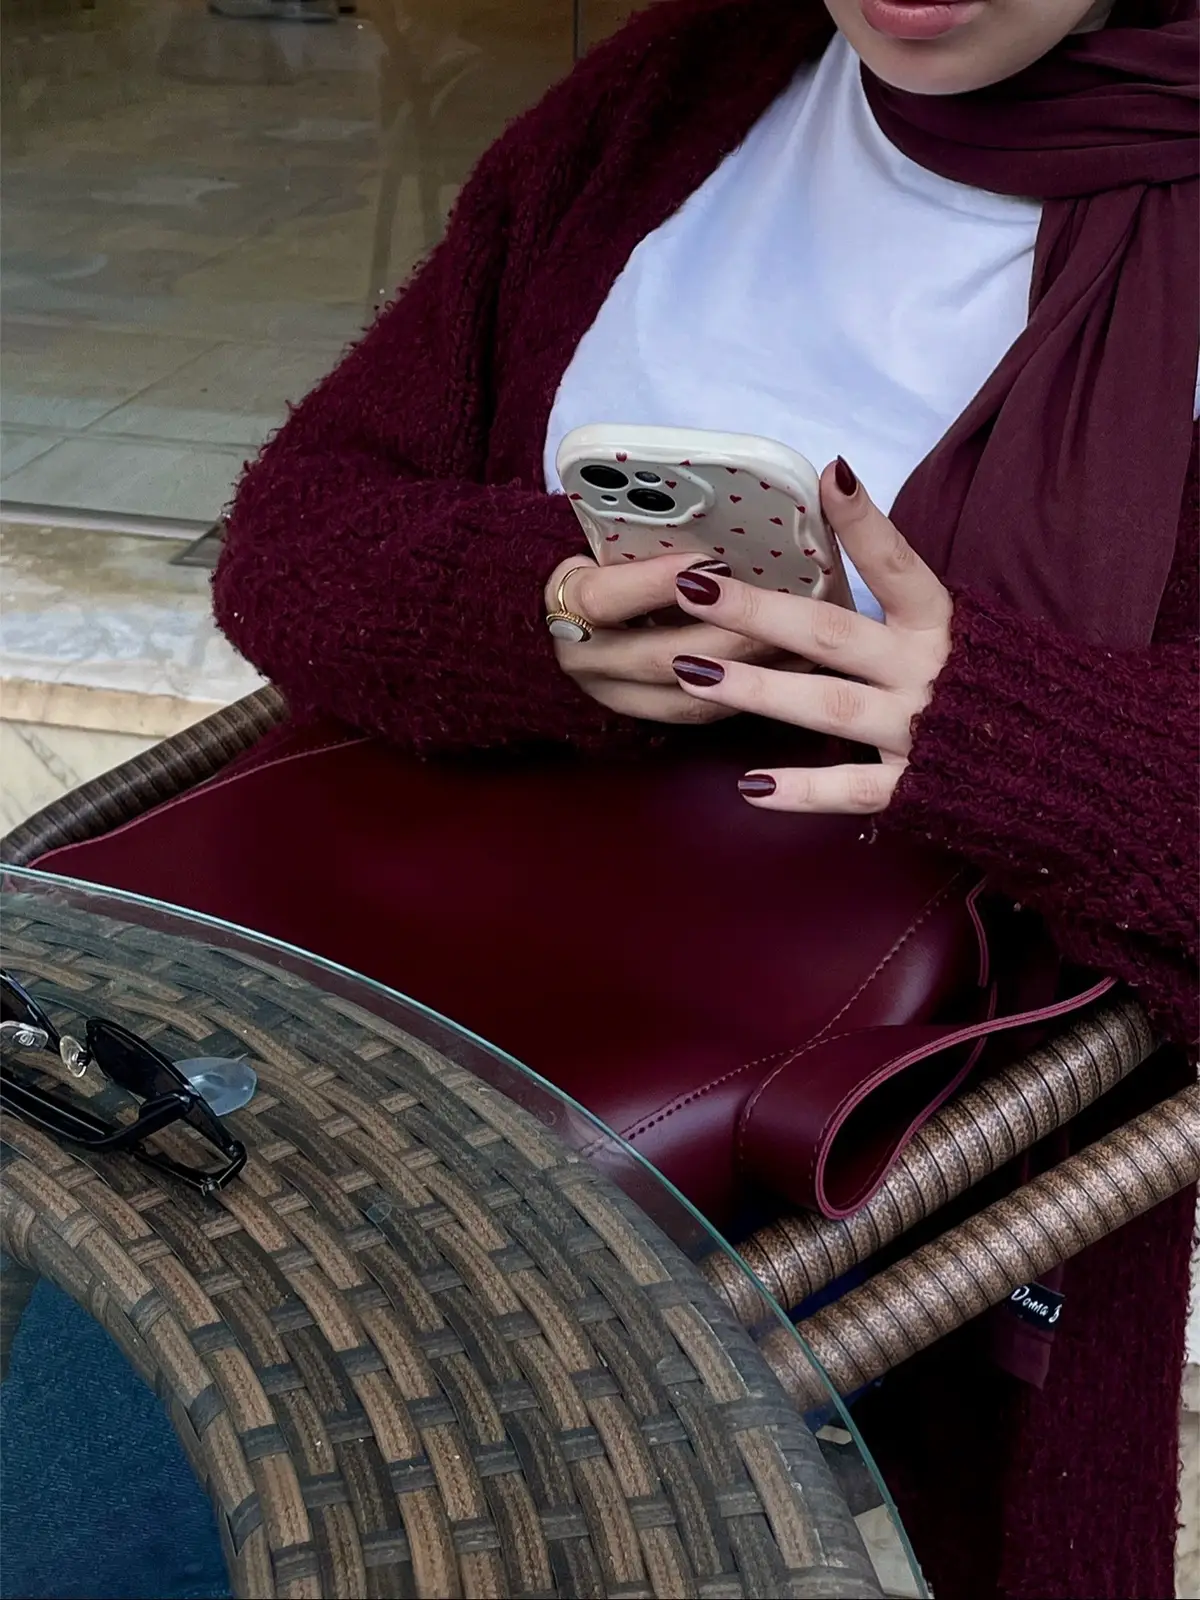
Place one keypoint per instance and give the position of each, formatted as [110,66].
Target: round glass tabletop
[29,897]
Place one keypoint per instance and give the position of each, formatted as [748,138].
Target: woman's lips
[918,19]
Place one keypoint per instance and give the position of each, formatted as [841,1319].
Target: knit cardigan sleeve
[1071,774]
[369,567]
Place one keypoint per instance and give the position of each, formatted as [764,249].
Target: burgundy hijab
[1058,490]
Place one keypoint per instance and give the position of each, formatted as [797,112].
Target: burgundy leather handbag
[764,1005]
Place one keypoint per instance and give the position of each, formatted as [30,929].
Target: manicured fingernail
[843,476]
[719,569]
[756,786]
[698,588]
[697,671]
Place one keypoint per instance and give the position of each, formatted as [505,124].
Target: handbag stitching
[789,1050]
[926,912]
[823,1036]
[214,783]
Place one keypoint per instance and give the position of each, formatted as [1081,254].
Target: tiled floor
[200,213]
[106,648]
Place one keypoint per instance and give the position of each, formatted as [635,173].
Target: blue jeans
[97,1500]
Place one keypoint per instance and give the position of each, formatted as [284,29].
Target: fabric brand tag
[1033,1302]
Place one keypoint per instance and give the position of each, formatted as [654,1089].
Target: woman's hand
[630,669]
[886,670]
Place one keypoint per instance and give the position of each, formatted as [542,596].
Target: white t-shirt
[819,288]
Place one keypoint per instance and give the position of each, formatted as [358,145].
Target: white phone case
[647,491]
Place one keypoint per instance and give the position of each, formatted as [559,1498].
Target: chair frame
[920,1297]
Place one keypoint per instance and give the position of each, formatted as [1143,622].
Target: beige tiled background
[200,212]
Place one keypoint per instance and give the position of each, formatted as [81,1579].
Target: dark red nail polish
[719,569]
[697,671]
[843,476]
[756,786]
[698,588]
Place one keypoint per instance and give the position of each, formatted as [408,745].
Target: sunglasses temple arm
[155,1114]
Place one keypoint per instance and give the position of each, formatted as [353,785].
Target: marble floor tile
[18,448]
[188,481]
[887,1553]
[233,394]
[68,377]
[40,764]
[108,612]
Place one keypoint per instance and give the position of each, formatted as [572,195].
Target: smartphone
[755,503]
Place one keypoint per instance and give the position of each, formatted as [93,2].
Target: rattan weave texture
[972,1136]
[420,1348]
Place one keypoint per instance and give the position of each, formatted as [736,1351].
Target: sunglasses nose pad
[223,1085]
[24,1035]
[74,1055]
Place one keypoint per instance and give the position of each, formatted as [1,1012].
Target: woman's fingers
[826,634]
[910,594]
[645,655]
[859,790]
[652,702]
[606,596]
[823,704]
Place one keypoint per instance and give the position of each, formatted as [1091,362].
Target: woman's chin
[946,47]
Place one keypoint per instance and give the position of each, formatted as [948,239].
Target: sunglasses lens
[131,1063]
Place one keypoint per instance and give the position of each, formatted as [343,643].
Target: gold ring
[566,625]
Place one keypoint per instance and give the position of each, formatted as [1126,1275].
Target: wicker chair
[940,1285]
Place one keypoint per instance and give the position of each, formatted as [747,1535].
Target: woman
[954,244]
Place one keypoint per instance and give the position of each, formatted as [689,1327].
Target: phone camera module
[602,477]
[651,500]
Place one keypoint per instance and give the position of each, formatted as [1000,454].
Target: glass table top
[843,1448]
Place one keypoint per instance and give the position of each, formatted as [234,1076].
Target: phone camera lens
[647,477]
[651,500]
[602,477]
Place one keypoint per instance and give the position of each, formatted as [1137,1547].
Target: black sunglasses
[129,1062]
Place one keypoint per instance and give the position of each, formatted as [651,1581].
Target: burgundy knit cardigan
[386,556]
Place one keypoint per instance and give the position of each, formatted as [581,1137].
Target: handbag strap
[824,1127]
